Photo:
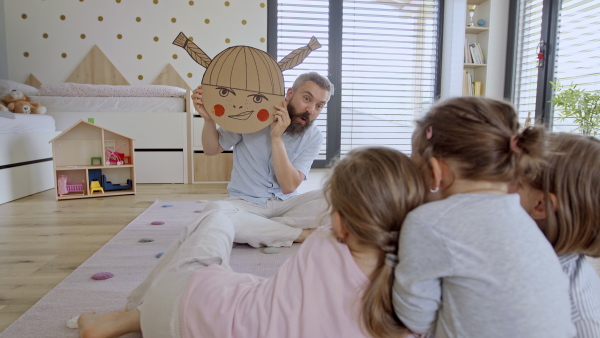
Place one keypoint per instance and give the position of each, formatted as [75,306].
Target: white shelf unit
[492,37]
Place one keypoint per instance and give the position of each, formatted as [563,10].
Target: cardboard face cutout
[242,85]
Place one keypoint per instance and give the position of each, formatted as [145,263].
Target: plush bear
[25,107]
[19,103]
[3,107]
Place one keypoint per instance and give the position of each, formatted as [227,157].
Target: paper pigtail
[192,49]
[297,56]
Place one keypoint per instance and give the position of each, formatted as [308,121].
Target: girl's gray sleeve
[424,260]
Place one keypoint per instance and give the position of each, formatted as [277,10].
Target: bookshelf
[485,49]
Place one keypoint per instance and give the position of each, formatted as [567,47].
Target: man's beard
[296,127]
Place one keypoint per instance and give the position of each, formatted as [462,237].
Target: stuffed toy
[3,107]
[19,103]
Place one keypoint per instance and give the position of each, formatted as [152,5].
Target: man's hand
[199,105]
[281,120]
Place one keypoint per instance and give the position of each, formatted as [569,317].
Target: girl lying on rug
[337,285]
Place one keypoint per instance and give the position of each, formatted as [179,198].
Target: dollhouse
[91,161]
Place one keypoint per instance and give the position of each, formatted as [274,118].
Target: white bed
[153,115]
[26,165]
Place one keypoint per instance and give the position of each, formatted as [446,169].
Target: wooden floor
[43,240]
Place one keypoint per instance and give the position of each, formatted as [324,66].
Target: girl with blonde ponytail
[338,284]
[370,193]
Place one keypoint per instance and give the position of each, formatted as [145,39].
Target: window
[381,55]
[565,32]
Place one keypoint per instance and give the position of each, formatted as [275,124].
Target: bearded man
[270,164]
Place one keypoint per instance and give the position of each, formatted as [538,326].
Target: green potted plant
[580,105]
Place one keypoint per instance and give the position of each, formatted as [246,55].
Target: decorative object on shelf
[480,22]
[94,159]
[113,157]
[580,105]
[61,186]
[471,9]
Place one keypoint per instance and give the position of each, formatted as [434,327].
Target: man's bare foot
[107,325]
[304,234]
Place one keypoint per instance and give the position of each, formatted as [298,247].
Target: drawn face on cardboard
[241,87]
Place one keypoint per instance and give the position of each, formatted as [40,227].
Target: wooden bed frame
[162,143]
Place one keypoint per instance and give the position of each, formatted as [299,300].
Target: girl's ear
[436,173]
[338,225]
[539,210]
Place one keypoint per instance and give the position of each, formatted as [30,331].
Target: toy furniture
[75,188]
[95,186]
[109,186]
[99,159]
[72,150]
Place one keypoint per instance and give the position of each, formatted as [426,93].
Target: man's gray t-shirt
[253,178]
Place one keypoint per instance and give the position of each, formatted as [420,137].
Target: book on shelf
[468,84]
[477,88]
[468,58]
[476,54]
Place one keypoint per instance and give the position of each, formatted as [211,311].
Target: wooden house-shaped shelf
[91,161]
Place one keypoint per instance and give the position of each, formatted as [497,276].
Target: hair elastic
[433,191]
[514,146]
[391,260]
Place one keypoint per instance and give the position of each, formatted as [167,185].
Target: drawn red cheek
[262,115]
[218,110]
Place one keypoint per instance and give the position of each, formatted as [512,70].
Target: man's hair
[482,135]
[373,189]
[572,174]
[315,77]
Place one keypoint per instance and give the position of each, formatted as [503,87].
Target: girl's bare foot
[304,234]
[106,325]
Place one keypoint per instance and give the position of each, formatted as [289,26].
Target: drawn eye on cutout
[224,92]
[258,98]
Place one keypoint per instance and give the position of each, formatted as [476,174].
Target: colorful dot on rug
[72,323]
[102,275]
[157,223]
[146,240]
[271,250]
[168,206]
[159,255]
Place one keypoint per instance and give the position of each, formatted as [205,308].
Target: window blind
[388,63]
[528,39]
[578,50]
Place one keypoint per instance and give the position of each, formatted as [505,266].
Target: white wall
[3,53]
[39,42]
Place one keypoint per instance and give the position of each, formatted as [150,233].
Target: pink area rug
[130,261]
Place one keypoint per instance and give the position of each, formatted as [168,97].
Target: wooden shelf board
[474,65]
[98,194]
[475,2]
[476,29]
[78,167]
